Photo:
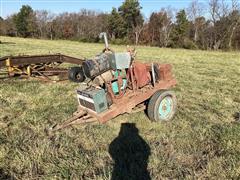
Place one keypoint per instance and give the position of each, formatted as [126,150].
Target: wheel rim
[166,107]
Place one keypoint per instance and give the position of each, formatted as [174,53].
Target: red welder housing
[141,74]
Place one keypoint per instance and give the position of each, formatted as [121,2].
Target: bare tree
[167,25]
[160,26]
[214,8]
[195,11]
[235,18]
[217,11]
[137,31]
[43,23]
[235,5]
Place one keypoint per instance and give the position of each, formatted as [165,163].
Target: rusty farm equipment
[116,84]
[42,66]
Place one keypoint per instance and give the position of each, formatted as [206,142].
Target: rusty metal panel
[26,60]
[37,59]
[141,74]
[2,64]
[166,71]
[72,60]
[3,61]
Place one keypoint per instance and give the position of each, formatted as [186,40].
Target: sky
[9,7]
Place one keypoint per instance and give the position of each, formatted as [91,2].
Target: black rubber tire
[154,103]
[75,74]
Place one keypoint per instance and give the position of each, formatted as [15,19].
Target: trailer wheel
[76,74]
[162,106]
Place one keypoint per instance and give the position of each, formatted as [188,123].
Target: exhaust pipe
[104,36]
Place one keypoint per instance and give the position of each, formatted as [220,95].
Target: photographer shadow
[130,154]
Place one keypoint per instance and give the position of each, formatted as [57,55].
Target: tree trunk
[217,45]
[230,38]
[152,38]
[196,34]
[232,34]
[138,31]
[136,38]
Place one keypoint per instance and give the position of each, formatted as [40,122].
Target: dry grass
[201,142]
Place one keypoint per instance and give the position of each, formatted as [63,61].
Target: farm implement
[116,83]
[36,65]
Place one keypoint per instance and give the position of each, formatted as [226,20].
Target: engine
[96,66]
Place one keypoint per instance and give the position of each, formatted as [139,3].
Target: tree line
[215,25]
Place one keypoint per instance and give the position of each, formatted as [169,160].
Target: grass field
[202,141]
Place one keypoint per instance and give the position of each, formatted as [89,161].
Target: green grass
[202,141]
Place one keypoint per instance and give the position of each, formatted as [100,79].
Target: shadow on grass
[1,42]
[5,176]
[130,153]
[237,116]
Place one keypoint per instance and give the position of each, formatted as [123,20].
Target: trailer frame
[37,65]
[132,101]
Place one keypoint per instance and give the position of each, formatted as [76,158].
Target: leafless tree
[235,18]
[160,26]
[195,11]
[43,18]
[217,11]
[137,31]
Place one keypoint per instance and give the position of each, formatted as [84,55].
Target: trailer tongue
[118,84]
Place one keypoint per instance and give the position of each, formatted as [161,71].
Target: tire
[162,106]
[75,74]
